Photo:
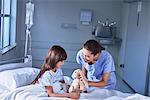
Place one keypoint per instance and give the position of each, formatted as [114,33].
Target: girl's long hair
[55,54]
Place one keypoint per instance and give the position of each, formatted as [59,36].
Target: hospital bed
[15,79]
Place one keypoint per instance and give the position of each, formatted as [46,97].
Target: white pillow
[18,77]
[14,66]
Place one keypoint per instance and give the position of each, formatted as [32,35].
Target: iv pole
[29,23]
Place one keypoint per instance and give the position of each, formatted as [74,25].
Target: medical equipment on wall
[104,29]
[29,23]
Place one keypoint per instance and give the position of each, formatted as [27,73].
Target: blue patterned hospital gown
[104,64]
[50,78]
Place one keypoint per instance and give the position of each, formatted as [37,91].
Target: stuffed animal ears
[75,73]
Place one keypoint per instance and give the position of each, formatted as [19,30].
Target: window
[7,24]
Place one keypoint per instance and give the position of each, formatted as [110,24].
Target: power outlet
[122,65]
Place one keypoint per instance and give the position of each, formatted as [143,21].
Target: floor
[122,86]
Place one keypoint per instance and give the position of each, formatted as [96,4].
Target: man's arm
[102,82]
[84,71]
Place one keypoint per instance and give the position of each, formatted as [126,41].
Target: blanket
[36,92]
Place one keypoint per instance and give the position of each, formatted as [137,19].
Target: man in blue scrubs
[97,65]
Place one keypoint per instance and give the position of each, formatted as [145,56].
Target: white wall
[149,51]
[51,14]
[123,32]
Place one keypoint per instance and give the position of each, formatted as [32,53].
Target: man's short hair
[93,46]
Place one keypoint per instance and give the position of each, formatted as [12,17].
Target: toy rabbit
[79,83]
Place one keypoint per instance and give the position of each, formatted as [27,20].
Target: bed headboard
[27,63]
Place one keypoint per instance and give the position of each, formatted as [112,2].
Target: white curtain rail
[12,60]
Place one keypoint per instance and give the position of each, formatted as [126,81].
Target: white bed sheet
[35,92]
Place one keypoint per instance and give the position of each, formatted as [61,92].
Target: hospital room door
[137,47]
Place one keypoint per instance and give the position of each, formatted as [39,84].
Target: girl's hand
[62,81]
[74,95]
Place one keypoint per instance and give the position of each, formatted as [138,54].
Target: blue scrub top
[104,64]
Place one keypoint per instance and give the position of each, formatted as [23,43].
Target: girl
[51,76]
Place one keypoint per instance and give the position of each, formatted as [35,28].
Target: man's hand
[103,82]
